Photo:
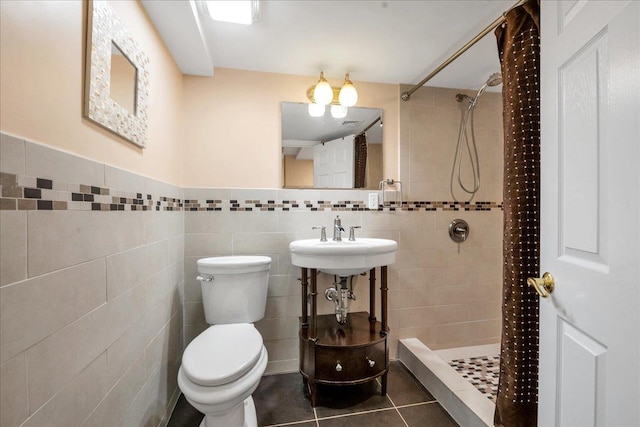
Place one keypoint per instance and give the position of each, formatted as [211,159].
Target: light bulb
[338,111]
[348,94]
[316,110]
[323,93]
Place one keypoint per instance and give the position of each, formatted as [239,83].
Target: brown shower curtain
[360,159]
[519,51]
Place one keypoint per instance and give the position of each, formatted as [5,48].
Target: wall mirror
[123,79]
[325,152]
[116,85]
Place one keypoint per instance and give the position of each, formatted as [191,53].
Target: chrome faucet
[337,229]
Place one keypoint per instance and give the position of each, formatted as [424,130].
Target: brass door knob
[544,286]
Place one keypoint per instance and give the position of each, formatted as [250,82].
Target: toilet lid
[233,264]
[222,354]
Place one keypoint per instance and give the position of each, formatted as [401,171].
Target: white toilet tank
[234,288]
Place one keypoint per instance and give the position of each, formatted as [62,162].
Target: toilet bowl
[220,370]
[223,365]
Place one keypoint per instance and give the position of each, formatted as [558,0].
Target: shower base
[462,379]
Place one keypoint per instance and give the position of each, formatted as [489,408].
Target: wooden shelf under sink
[353,353]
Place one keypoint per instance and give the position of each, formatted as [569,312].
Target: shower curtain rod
[407,95]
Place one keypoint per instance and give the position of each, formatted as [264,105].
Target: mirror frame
[103,28]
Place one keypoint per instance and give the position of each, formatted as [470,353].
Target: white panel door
[333,163]
[590,216]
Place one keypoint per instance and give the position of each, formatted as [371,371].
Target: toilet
[223,365]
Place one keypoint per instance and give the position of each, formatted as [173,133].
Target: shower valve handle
[458,230]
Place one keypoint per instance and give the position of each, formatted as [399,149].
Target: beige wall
[232,126]
[42,68]
[233,117]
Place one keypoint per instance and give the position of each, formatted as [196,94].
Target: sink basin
[343,258]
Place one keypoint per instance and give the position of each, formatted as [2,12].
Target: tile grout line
[409,405]
[396,408]
[356,413]
[292,423]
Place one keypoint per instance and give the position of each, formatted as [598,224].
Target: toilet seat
[222,354]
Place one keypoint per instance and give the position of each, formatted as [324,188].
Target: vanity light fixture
[244,12]
[339,98]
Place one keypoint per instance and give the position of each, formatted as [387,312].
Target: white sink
[345,257]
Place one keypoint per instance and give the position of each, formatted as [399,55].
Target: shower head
[494,79]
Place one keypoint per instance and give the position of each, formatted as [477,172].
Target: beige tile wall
[441,294]
[91,329]
[429,125]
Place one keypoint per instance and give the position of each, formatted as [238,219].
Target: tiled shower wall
[91,286]
[429,129]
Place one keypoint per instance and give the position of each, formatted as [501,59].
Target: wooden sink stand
[335,354]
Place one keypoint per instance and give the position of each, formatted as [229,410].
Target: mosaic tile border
[341,205]
[482,371]
[19,192]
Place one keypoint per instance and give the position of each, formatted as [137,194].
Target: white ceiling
[392,41]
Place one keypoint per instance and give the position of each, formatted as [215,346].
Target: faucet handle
[352,233]
[323,233]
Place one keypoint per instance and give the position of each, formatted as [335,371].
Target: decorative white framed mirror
[116,87]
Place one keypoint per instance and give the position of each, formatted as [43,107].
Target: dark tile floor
[280,399]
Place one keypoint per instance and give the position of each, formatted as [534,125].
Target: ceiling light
[348,94]
[235,11]
[316,110]
[339,111]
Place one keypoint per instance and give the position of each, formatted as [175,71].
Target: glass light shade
[348,94]
[316,110]
[339,111]
[323,93]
